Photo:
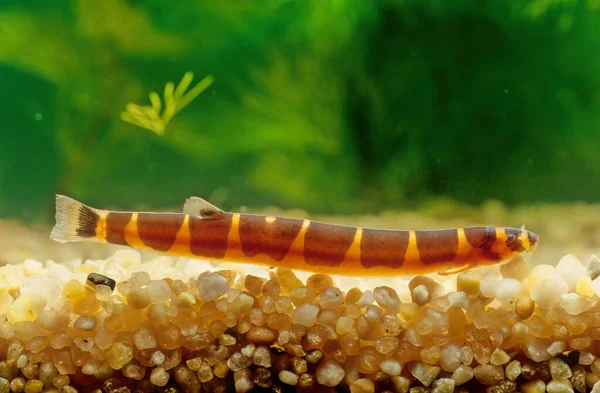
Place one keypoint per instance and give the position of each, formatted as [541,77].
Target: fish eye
[511,238]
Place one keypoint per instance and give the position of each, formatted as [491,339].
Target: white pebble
[391,367]
[517,268]
[159,291]
[330,373]
[547,292]
[535,349]
[305,315]
[570,268]
[211,286]
[459,299]
[366,299]
[288,377]
[488,284]
[575,304]
[508,289]
[331,297]
[450,357]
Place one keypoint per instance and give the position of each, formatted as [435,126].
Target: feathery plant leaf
[175,99]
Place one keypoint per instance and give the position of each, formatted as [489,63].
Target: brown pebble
[99,279]
[306,380]
[262,377]
[504,386]
[533,371]
[186,379]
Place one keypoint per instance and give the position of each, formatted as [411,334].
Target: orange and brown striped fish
[205,231]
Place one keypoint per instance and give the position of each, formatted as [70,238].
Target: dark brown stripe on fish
[326,245]
[437,246]
[115,227]
[483,238]
[208,237]
[159,230]
[479,237]
[513,239]
[383,248]
[274,239]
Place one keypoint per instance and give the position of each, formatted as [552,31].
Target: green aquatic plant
[175,99]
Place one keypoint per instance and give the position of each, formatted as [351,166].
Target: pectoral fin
[456,270]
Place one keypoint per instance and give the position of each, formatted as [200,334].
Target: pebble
[559,369]
[211,286]
[331,297]
[400,384]
[344,325]
[391,367]
[386,298]
[489,283]
[362,385]
[305,315]
[288,377]
[593,267]
[159,291]
[517,268]
[576,304]
[119,355]
[513,370]
[261,357]
[462,374]
[468,282]
[547,292]
[429,290]
[488,374]
[570,269]
[499,357]
[159,376]
[242,381]
[366,299]
[559,386]
[186,379]
[536,386]
[330,373]
[459,299]
[584,286]
[4,385]
[262,335]
[443,385]
[237,361]
[426,374]
[508,289]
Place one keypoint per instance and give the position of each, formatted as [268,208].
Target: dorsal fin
[200,207]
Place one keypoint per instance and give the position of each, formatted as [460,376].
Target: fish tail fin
[74,221]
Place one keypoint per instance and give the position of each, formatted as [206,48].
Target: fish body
[204,231]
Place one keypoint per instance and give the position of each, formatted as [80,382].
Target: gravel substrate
[170,324]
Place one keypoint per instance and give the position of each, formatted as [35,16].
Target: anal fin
[200,207]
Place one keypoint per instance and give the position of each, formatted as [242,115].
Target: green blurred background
[332,106]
